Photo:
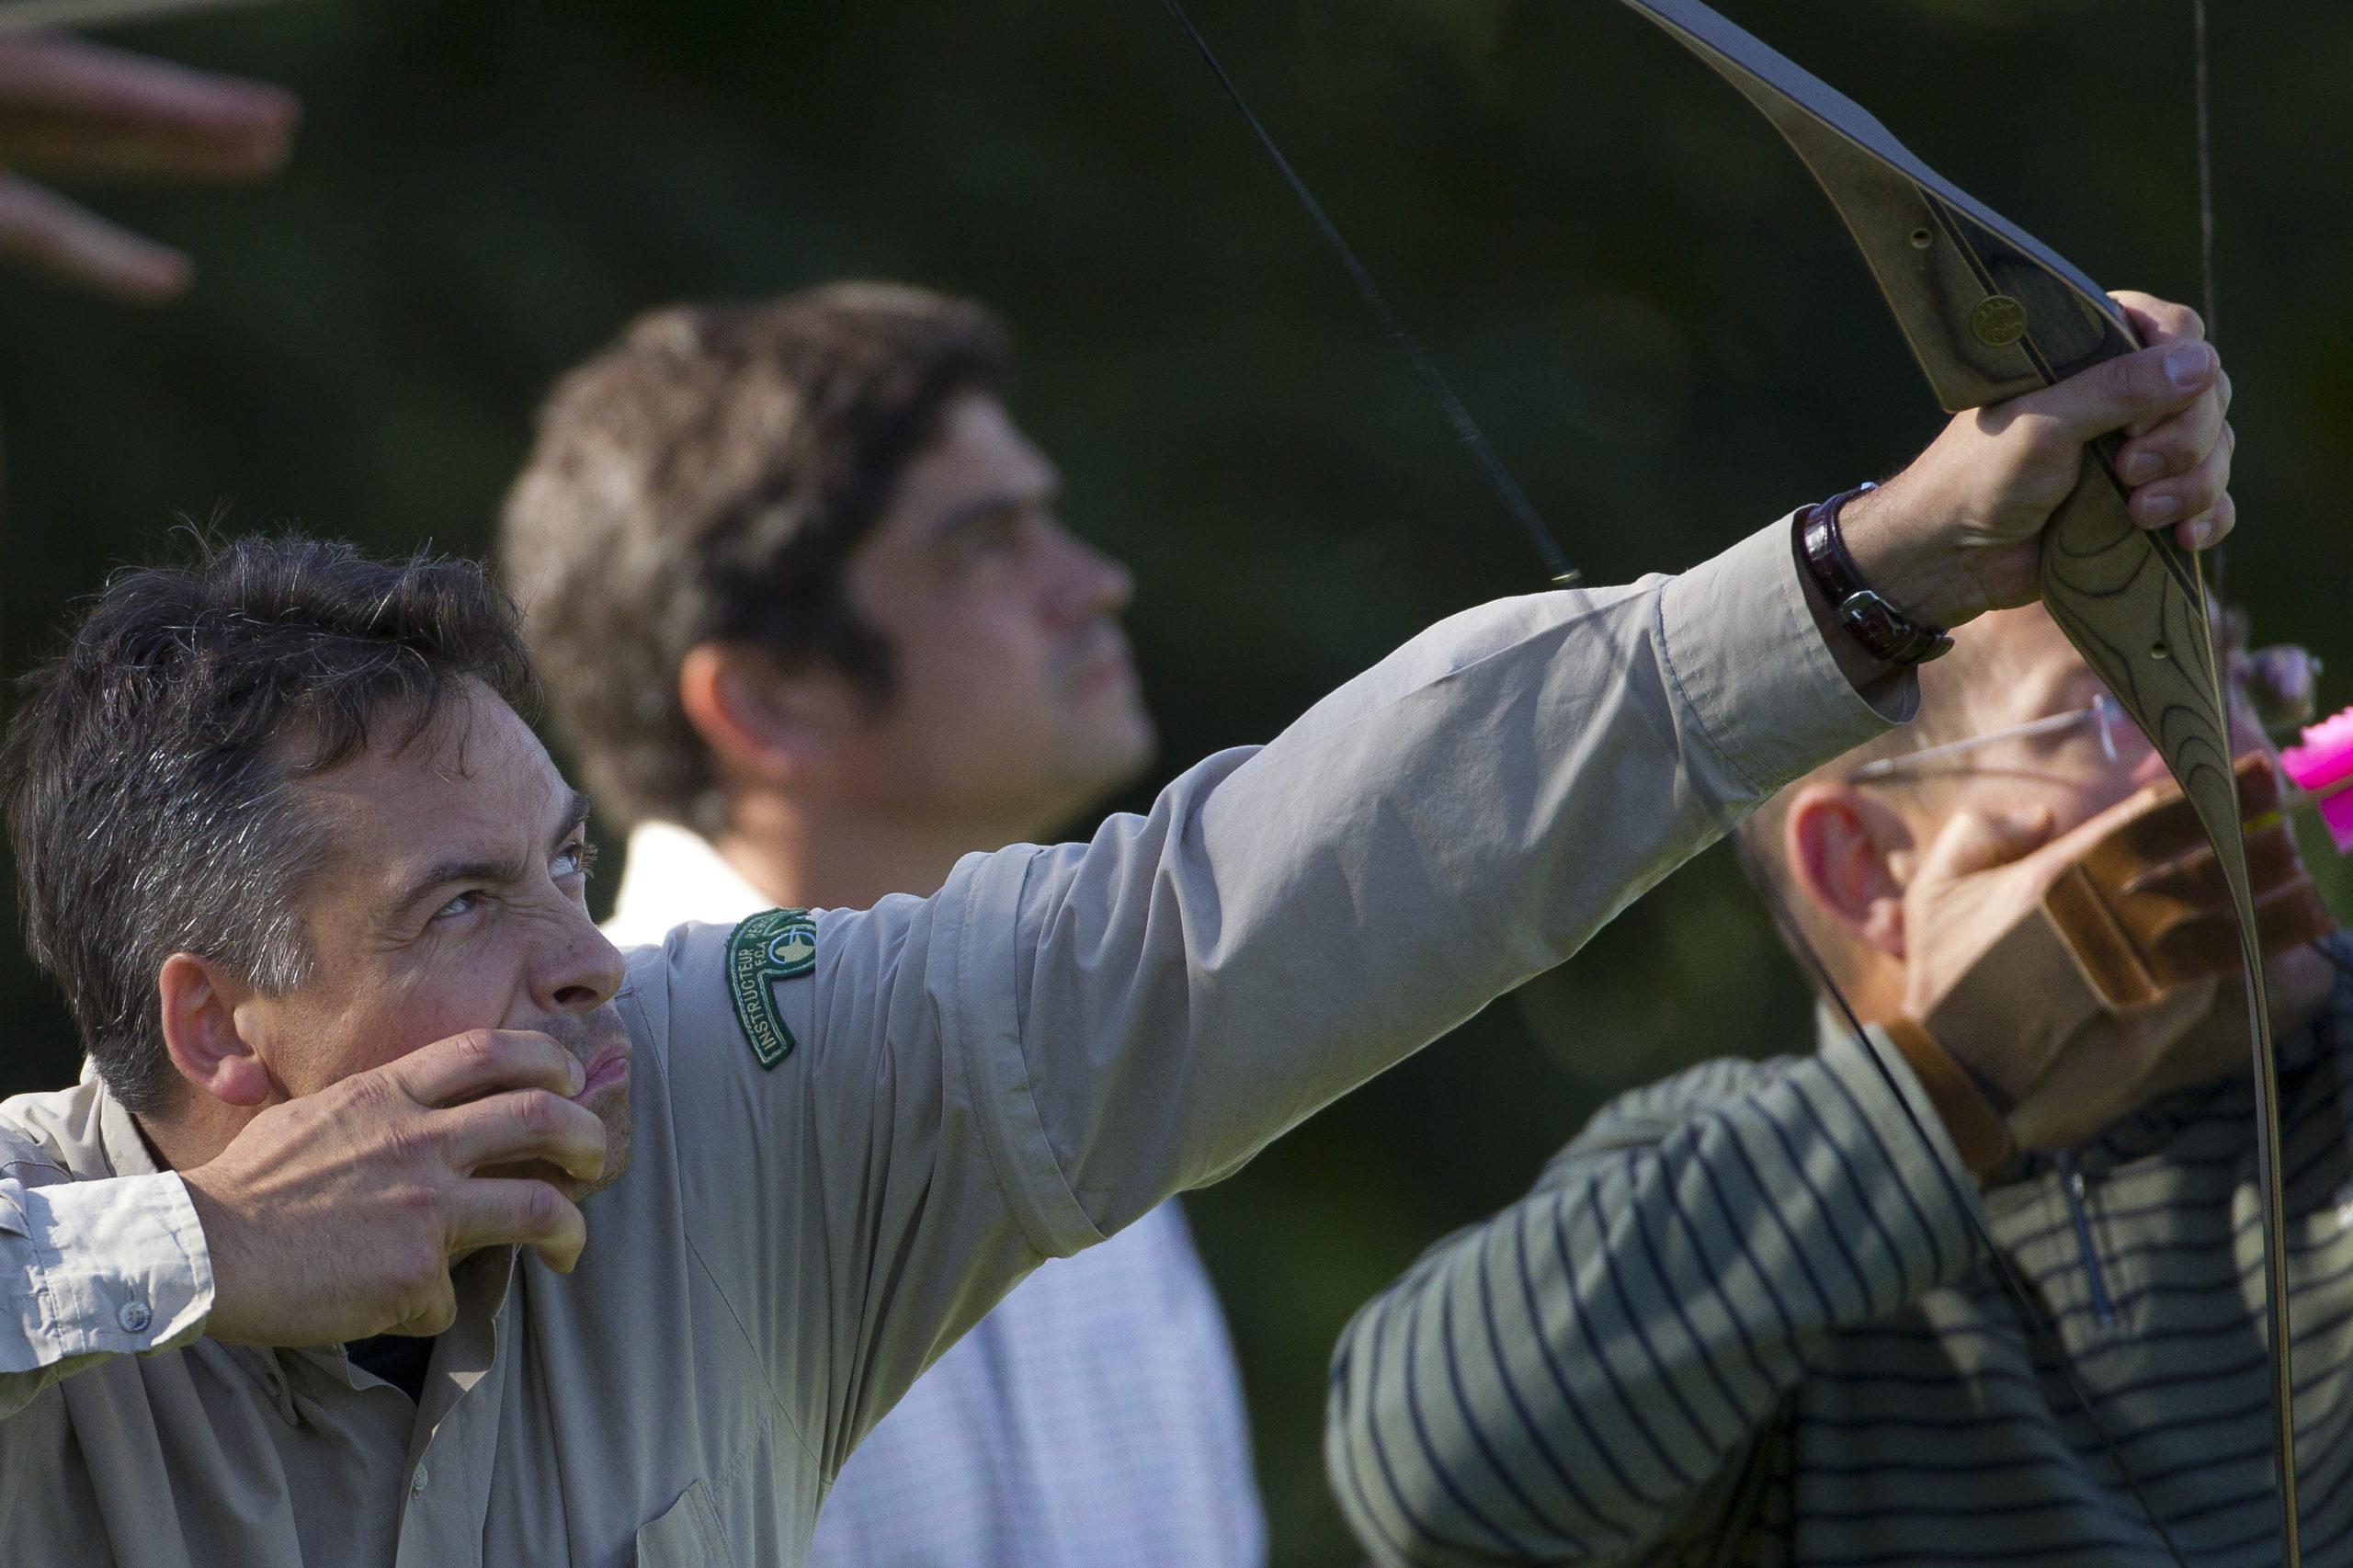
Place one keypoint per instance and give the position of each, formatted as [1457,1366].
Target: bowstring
[2202,118]
[2205,122]
[1466,429]
[2036,1314]
[2267,1108]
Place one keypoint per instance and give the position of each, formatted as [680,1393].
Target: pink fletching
[2325,758]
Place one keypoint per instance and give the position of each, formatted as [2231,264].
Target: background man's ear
[1849,857]
[200,1031]
[760,721]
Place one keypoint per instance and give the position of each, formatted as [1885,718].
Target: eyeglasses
[2280,685]
[2106,717]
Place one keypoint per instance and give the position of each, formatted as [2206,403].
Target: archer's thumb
[2130,389]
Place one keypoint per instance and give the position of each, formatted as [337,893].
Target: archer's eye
[464,903]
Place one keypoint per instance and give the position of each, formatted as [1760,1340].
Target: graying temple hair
[151,772]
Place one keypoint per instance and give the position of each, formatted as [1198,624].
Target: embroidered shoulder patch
[763,951]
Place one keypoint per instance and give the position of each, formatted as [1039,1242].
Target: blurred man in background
[1745,1316]
[808,619]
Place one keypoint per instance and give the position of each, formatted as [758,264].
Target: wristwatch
[1876,622]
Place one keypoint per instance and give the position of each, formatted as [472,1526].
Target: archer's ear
[761,723]
[1849,856]
[201,1031]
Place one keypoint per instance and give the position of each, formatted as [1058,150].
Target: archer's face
[1016,701]
[453,900]
[2016,666]
[2019,667]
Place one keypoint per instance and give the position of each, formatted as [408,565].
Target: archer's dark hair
[708,478]
[148,771]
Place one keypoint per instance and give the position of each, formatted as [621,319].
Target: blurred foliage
[1661,324]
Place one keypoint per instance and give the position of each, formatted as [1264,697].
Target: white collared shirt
[1094,1418]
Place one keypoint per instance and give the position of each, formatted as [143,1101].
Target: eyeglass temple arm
[1887,765]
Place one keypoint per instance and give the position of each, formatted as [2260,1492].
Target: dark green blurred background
[1637,287]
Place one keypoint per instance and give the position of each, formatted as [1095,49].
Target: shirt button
[416,1481]
[134,1317]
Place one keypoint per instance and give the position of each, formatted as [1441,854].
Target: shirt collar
[87,1130]
[673,876]
[125,1145]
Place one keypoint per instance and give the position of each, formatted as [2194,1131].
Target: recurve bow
[1992,313]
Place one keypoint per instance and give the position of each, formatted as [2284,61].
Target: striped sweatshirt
[1744,1318]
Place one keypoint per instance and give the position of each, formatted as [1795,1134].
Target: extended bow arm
[1991,313]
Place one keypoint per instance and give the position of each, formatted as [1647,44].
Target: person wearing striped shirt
[1745,1315]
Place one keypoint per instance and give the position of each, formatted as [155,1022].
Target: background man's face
[453,900]
[1015,699]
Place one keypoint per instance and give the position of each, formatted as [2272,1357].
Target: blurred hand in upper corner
[68,107]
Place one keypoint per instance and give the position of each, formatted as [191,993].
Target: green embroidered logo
[763,951]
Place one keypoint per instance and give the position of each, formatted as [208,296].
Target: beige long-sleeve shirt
[1008,1070]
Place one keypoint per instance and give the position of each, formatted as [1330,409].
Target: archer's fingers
[2176,445]
[2197,504]
[56,144]
[512,1212]
[2159,322]
[482,1062]
[525,1124]
[42,228]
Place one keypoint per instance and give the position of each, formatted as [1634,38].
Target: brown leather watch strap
[1979,1133]
[1879,625]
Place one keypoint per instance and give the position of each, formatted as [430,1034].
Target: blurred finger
[67,104]
[42,228]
